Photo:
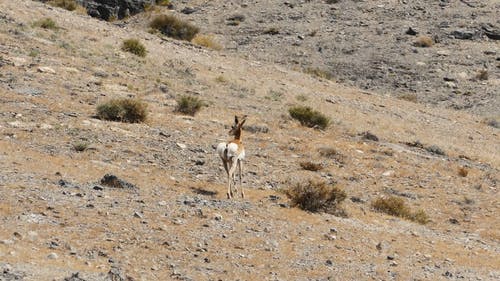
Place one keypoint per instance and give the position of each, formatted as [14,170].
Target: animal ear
[235,119]
[242,122]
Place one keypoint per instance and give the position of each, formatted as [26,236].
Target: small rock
[329,263]
[369,136]
[411,31]
[462,34]
[113,181]
[388,173]
[188,10]
[52,256]
[218,217]
[453,221]
[138,215]
[181,145]
[330,237]
[46,69]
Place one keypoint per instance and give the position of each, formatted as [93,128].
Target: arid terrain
[173,221]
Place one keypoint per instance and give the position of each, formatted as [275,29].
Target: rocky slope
[60,222]
[367,44]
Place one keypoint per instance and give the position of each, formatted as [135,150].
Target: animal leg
[240,167]
[230,179]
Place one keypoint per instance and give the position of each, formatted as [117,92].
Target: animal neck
[237,136]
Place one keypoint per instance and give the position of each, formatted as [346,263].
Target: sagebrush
[396,206]
[189,105]
[135,47]
[309,117]
[124,110]
[174,27]
[317,196]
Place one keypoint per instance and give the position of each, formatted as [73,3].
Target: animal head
[236,128]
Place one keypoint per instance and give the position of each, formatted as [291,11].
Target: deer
[232,154]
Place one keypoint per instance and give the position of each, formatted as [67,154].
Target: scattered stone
[462,34]
[256,128]
[181,145]
[98,187]
[74,277]
[453,221]
[52,256]
[113,181]
[329,263]
[411,31]
[188,10]
[436,150]
[29,91]
[46,69]
[369,136]
[218,217]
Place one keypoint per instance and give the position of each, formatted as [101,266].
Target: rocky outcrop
[114,9]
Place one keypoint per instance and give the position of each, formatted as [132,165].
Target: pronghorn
[232,154]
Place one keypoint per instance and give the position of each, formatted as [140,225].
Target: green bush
[309,117]
[397,207]
[124,110]
[317,197]
[135,47]
[69,5]
[174,27]
[46,23]
[189,105]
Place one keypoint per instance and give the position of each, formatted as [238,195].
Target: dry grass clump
[309,117]
[272,31]
[332,153]
[174,27]
[318,73]
[463,172]
[207,41]
[135,47]
[317,197]
[163,2]
[482,75]
[124,110]
[424,41]
[80,146]
[189,105]
[409,97]
[69,5]
[311,166]
[46,23]
[235,19]
[397,207]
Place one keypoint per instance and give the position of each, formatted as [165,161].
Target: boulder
[114,9]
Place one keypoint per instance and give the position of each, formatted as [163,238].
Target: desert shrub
[235,19]
[46,23]
[80,146]
[272,31]
[463,172]
[207,41]
[163,2]
[135,47]
[189,105]
[424,41]
[309,117]
[174,27]
[435,149]
[409,97]
[317,197]
[318,73]
[397,207]
[69,5]
[311,166]
[482,75]
[124,110]
[492,122]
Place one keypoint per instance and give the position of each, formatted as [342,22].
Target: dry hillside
[59,222]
